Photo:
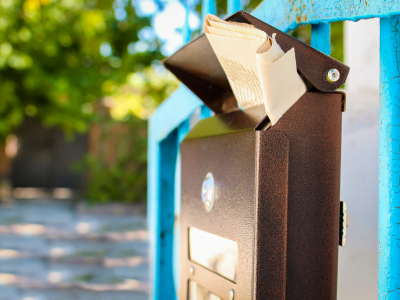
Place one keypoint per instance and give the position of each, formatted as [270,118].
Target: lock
[259,203]
[208,192]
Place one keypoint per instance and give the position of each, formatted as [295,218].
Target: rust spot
[366,3]
[301,18]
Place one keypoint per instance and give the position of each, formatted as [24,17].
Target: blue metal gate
[174,118]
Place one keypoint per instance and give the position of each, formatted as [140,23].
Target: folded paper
[258,71]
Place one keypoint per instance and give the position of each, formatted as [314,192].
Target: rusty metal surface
[230,158]
[272,200]
[288,14]
[313,127]
[277,195]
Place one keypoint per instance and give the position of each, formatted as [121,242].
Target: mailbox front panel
[234,160]
[276,198]
[230,159]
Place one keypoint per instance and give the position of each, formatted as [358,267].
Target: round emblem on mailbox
[207,192]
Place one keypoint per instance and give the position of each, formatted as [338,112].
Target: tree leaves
[57,55]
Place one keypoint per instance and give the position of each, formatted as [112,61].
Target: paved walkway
[56,250]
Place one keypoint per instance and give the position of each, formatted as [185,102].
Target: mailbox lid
[197,66]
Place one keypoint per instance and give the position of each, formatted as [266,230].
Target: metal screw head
[333,75]
[207,192]
[231,294]
[191,270]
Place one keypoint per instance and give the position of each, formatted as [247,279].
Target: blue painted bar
[162,160]
[172,112]
[186,32]
[287,15]
[208,7]
[321,37]
[234,6]
[166,216]
[389,157]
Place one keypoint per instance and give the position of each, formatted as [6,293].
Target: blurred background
[78,82]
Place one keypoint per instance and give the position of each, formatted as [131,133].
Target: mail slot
[260,208]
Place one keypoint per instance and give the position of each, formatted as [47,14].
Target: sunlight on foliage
[140,95]
[34,5]
[58,58]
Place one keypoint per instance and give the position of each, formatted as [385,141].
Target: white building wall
[358,261]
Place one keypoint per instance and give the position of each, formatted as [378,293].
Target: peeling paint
[389,156]
[287,15]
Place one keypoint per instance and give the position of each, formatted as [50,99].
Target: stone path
[56,250]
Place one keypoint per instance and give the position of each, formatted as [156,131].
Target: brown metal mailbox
[260,208]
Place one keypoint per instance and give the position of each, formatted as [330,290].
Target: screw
[231,294]
[191,270]
[333,75]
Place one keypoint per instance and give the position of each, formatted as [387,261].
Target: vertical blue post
[389,158]
[234,6]
[321,37]
[186,32]
[208,7]
[162,156]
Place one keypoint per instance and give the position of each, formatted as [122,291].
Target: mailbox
[260,209]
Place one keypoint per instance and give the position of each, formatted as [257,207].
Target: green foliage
[337,42]
[117,169]
[51,65]
[141,93]
[303,33]
[66,62]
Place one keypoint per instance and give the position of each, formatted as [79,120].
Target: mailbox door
[276,199]
[230,159]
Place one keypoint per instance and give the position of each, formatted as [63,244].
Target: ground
[64,250]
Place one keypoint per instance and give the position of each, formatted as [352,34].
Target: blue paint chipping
[389,156]
[287,15]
